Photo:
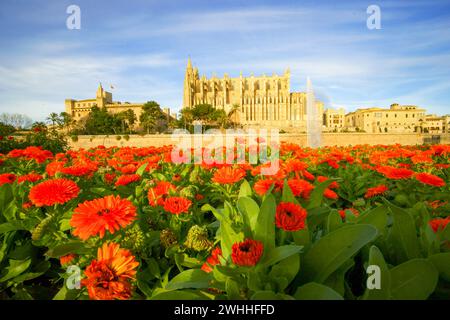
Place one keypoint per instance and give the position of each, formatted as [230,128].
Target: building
[79,109]
[261,101]
[434,124]
[396,119]
[334,120]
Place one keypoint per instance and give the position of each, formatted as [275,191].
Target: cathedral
[258,101]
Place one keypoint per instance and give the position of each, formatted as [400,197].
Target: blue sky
[141,47]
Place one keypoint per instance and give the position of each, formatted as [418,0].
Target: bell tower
[188,88]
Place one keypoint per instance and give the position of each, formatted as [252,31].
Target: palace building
[79,109]
[264,101]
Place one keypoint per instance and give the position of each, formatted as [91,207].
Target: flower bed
[127,223]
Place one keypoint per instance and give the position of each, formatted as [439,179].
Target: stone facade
[264,101]
[396,119]
[79,109]
[334,119]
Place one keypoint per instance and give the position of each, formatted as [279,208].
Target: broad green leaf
[6,196]
[193,278]
[316,197]
[316,291]
[377,217]
[334,221]
[15,268]
[249,210]
[336,280]
[232,289]
[404,235]
[415,279]
[35,272]
[70,247]
[331,251]
[245,189]
[280,253]
[302,237]
[287,195]
[66,294]
[376,259]
[287,269]
[265,226]
[442,263]
[141,169]
[228,237]
[11,226]
[266,295]
[180,295]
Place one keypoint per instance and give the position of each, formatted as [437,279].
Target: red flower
[31,177]
[439,224]
[127,179]
[375,191]
[109,276]
[67,259]
[56,191]
[7,178]
[228,175]
[158,194]
[333,185]
[301,188]
[342,213]
[290,216]
[247,253]
[330,194]
[430,179]
[212,260]
[177,205]
[97,216]
[262,186]
[395,173]
[109,177]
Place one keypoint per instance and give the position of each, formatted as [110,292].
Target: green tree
[100,121]
[152,117]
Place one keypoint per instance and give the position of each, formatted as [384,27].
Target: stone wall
[328,139]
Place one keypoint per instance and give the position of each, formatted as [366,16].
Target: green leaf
[6,196]
[442,263]
[11,226]
[287,195]
[376,259]
[266,295]
[265,226]
[286,269]
[302,237]
[70,247]
[245,190]
[404,235]
[66,294]
[334,221]
[249,210]
[141,169]
[228,237]
[331,251]
[280,253]
[36,271]
[316,197]
[193,278]
[232,289]
[316,291]
[377,217]
[15,268]
[336,280]
[179,295]
[415,279]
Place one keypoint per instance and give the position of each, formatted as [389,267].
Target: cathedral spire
[189,64]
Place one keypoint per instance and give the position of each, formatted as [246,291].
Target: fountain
[313,118]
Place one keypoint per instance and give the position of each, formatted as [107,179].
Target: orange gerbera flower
[300,188]
[262,186]
[228,175]
[127,179]
[30,177]
[439,224]
[430,179]
[212,260]
[97,216]
[247,253]
[158,194]
[375,191]
[56,191]
[395,173]
[290,216]
[177,205]
[67,259]
[7,178]
[109,276]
